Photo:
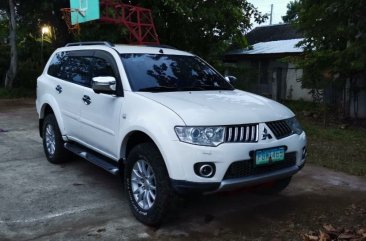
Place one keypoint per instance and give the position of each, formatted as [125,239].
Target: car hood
[220,107]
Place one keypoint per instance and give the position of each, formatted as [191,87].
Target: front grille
[242,133]
[279,128]
[248,168]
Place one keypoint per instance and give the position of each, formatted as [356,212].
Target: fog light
[205,169]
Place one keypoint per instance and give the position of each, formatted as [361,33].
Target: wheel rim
[143,184]
[50,140]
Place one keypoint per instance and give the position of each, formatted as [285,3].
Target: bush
[4,62]
[17,93]
[28,72]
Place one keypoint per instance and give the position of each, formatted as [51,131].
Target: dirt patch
[11,104]
[286,218]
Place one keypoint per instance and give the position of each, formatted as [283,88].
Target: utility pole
[270,16]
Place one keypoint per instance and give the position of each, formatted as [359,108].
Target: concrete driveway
[77,201]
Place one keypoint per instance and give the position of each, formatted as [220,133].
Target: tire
[273,188]
[146,176]
[53,144]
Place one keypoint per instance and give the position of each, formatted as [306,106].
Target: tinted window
[56,62]
[76,69]
[150,72]
[102,68]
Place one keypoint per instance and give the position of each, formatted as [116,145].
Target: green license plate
[268,156]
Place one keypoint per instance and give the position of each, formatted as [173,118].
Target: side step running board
[91,157]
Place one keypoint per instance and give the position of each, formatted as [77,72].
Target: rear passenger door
[71,72]
[100,115]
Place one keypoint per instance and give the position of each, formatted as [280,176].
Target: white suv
[167,120]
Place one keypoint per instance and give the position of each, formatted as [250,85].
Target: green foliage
[335,147]
[246,74]
[17,93]
[28,72]
[4,61]
[206,28]
[293,9]
[102,32]
[335,40]
[3,27]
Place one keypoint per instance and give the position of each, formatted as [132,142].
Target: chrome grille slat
[253,133]
[230,133]
[242,133]
[247,133]
[235,134]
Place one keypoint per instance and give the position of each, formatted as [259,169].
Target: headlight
[294,125]
[204,136]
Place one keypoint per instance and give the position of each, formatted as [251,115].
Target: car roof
[129,49]
[126,49]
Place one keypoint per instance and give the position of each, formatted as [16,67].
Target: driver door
[100,113]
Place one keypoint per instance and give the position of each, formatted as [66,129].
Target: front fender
[157,122]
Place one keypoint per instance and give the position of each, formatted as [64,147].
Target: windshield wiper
[158,89]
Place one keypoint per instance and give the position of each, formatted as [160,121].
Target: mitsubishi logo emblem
[266,134]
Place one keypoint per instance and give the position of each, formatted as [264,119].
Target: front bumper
[226,155]
[184,187]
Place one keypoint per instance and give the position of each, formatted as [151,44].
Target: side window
[74,67]
[56,63]
[102,67]
[77,69]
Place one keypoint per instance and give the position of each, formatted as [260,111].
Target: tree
[12,71]
[293,9]
[204,27]
[200,26]
[334,42]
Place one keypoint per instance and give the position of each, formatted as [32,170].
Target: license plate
[268,156]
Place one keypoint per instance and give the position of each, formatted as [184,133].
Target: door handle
[58,89]
[86,100]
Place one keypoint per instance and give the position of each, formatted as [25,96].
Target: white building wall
[294,91]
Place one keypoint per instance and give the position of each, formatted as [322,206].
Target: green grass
[339,149]
[333,147]
[17,93]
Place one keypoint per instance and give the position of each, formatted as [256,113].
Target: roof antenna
[270,16]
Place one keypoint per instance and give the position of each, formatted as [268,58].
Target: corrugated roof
[272,47]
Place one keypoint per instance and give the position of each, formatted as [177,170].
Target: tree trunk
[11,73]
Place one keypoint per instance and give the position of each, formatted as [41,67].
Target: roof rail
[160,46]
[105,43]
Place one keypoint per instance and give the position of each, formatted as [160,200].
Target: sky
[264,6]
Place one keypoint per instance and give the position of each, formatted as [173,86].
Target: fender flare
[48,99]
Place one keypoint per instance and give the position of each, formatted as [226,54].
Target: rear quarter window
[55,65]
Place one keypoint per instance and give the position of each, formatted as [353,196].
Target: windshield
[161,73]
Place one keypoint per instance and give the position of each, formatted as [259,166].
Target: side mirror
[231,79]
[104,84]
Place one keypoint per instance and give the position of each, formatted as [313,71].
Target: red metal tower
[138,20]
